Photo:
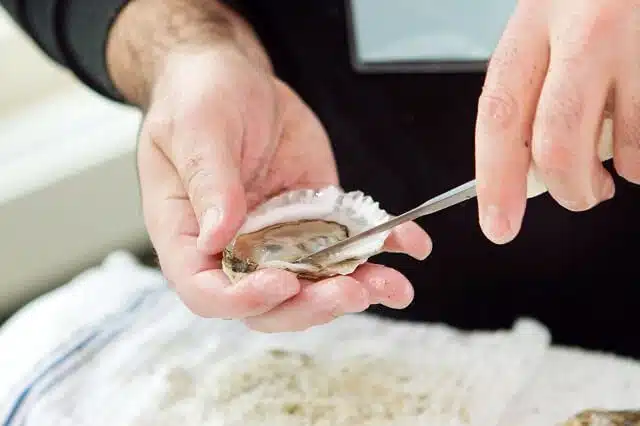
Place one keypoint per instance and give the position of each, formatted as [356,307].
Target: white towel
[570,381]
[132,355]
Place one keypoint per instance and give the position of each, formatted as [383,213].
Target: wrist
[147,32]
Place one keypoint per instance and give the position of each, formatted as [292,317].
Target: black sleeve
[73,33]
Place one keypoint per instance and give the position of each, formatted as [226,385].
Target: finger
[411,239]
[570,111]
[210,293]
[196,276]
[317,303]
[626,126]
[201,148]
[385,285]
[505,114]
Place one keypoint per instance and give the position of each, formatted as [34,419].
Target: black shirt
[406,137]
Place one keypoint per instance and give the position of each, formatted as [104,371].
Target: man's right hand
[222,134]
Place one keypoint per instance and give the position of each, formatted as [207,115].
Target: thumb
[210,174]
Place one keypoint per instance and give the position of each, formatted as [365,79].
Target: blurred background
[68,183]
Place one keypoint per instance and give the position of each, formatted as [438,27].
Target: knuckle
[251,305]
[354,297]
[553,150]
[195,107]
[196,178]
[571,58]
[561,112]
[586,30]
[221,106]
[157,129]
[497,108]
[551,158]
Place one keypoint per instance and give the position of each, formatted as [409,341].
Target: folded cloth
[49,321]
[116,347]
[570,381]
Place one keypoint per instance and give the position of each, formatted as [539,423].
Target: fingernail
[496,225]
[210,220]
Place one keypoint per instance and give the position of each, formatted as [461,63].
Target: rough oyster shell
[605,418]
[301,222]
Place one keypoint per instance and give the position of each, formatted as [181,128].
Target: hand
[560,67]
[221,135]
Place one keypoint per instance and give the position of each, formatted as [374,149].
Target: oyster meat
[605,418]
[301,222]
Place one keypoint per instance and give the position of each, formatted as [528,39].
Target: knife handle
[535,186]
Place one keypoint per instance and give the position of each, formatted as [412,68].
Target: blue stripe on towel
[71,354]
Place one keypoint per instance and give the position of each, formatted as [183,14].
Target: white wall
[68,185]
[25,75]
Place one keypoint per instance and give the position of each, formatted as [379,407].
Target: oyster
[605,418]
[301,222]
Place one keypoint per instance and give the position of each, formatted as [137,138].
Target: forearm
[126,41]
[146,32]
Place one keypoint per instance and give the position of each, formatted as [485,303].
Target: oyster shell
[605,418]
[301,222]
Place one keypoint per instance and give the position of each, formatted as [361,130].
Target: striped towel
[135,356]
